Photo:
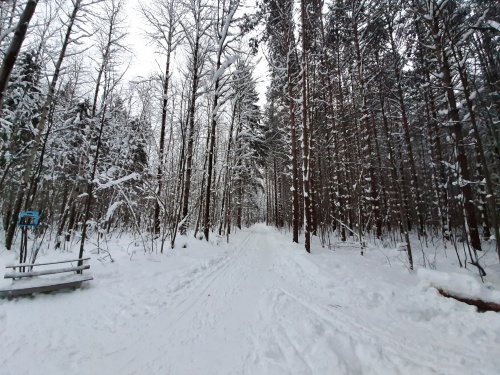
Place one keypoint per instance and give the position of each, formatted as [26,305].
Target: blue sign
[28,219]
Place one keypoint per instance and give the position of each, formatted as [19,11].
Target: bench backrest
[43,264]
[18,275]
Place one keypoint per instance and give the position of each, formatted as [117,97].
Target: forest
[380,121]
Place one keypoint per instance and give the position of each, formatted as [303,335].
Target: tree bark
[161,156]
[190,141]
[305,137]
[90,186]
[24,188]
[14,48]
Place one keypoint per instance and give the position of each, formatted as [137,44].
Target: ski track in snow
[260,306]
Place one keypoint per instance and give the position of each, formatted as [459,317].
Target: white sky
[143,61]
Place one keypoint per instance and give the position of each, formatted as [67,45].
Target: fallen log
[481,305]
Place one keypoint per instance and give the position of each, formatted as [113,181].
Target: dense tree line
[392,107]
[158,155]
[381,120]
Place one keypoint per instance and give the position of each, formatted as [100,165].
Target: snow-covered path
[208,322]
[257,306]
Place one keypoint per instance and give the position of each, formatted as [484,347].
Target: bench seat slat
[44,285]
[42,264]
[15,275]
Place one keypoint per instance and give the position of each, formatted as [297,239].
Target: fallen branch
[480,304]
[463,288]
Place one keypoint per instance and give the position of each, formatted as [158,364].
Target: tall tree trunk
[456,129]
[305,136]
[394,176]
[190,138]
[483,164]
[206,218]
[294,144]
[14,48]
[415,188]
[24,188]
[90,186]
[215,106]
[372,195]
[161,155]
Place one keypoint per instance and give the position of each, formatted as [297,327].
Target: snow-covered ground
[258,305]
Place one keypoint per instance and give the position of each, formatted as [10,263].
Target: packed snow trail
[259,305]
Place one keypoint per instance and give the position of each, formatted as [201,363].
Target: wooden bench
[31,282]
